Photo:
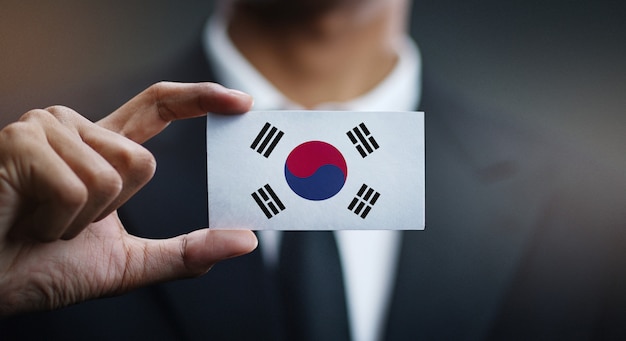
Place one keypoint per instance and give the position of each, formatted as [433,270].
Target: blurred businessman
[523,236]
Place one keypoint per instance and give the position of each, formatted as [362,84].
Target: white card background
[395,170]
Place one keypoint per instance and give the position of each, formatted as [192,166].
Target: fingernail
[236,242]
[242,95]
[238,93]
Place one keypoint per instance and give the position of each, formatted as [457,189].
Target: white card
[316,170]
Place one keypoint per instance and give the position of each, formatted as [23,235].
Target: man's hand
[62,179]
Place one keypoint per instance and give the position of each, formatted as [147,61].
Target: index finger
[148,113]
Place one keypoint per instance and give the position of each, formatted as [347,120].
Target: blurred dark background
[559,64]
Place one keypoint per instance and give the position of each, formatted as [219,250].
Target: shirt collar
[399,91]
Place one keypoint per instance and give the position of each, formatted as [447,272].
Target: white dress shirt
[368,258]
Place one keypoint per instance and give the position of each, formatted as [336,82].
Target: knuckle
[106,183]
[15,130]
[20,137]
[37,115]
[144,164]
[58,110]
[155,93]
[155,90]
[160,86]
[51,115]
[137,163]
[74,196]
[62,113]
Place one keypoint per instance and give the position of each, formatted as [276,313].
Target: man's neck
[334,57]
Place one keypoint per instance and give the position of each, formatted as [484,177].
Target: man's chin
[294,10]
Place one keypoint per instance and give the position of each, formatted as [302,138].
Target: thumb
[188,255]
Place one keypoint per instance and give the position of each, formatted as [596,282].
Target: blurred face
[299,11]
[316,6]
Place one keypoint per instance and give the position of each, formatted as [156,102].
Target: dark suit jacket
[523,240]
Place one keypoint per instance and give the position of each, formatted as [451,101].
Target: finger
[184,256]
[133,165]
[101,180]
[51,194]
[151,111]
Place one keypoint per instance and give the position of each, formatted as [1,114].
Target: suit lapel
[452,276]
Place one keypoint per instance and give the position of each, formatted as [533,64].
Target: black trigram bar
[266,140]
[363,140]
[268,201]
[364,200]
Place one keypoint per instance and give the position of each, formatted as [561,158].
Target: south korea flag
[316,170]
